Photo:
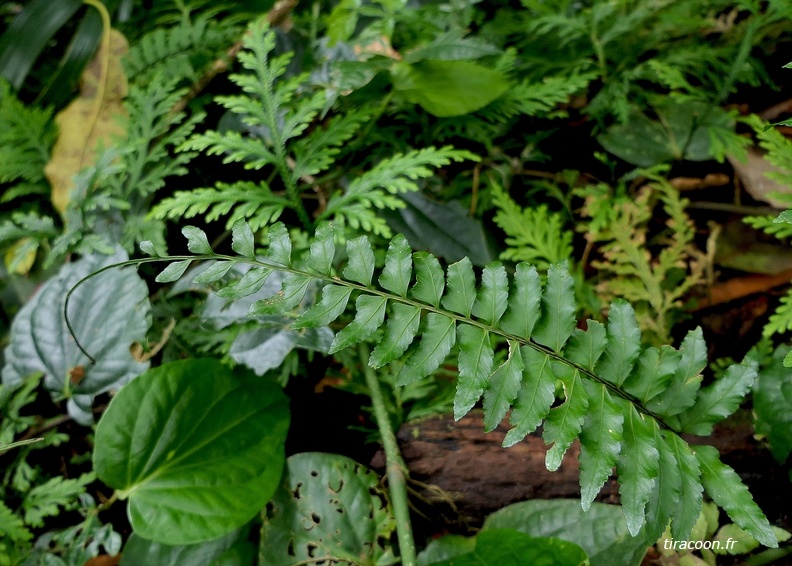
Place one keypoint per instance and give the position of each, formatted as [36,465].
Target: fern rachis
[619,399]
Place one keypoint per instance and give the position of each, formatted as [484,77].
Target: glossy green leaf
[242,239]
[327,506]
[460,288]
[445,547]
[233,549]
[197,449]
[600,531]
[322,251]
[564,422]
[652,373]
[360,268]
[332,304]
[585,348]
[493,296]
[536,395]
[369,316]
[728,492]
[681,392]
[397,272]
[638,467]
[251,283]
[291,295]
[558,309]
[524,302]
[449,88]
[196,240]
[509,547]
[452,47]
[600,442]
[402,326]
[719,399]
[173,272]
[624,343]
[439,335]
[429,279]
[475,366]
[265,348]
[280,247]
[214,272]
[40,341]
[688,508]
[503,388]
[665,496]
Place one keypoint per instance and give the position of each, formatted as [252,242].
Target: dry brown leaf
[753,174]
[92,119]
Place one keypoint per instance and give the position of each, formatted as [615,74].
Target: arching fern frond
[627,404]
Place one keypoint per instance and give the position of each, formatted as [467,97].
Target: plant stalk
[396,469]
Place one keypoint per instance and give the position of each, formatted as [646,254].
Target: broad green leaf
[109,313]
[536,395]
[396,274]
[585,348]
[449,88]
[401,328]
[493,296]
[242,239]
[509,547]
[369,316]
[360,268]
[251,283]
[503,387]
[600,441]
[429,280]
[265,347]
[294,287]
[214,272]
[233,549]
[334,301]
[196,240]
[322,251]
[686,512]
[665,496]
[681,392]
[624,343]
[445,547]
[452,47]
[735,540]
[719,399]
[638,466]
[729,493]
[600,531]
[563,423]
[436,342]
[327,506]
[280,247]
[652,373]
[460,288]
[173,272]
[475,366]
[772,405]
[524,302]
[197,448]
[558,309]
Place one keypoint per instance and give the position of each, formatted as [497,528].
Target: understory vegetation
[245,244]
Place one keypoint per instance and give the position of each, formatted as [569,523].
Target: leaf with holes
[326,507]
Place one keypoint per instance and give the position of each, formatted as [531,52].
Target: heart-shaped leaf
[197,448]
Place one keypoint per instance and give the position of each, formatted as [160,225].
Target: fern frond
[781,320]
[242,200]
[768,225]
[609,381]
[533,235]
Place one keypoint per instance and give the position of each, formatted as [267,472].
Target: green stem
[396,469]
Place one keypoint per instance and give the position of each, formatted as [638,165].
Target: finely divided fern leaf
[616,395]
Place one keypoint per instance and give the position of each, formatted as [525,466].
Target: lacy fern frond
[178,52]
[780,321]
[654,284]
[768,225]
[627,404]
[533,235]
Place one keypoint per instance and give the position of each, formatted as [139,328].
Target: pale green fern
[628,405]
[280,134]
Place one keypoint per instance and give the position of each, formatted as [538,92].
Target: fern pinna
[627,404]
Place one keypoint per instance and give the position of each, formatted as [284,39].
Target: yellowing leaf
[91,119]
[20,257]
